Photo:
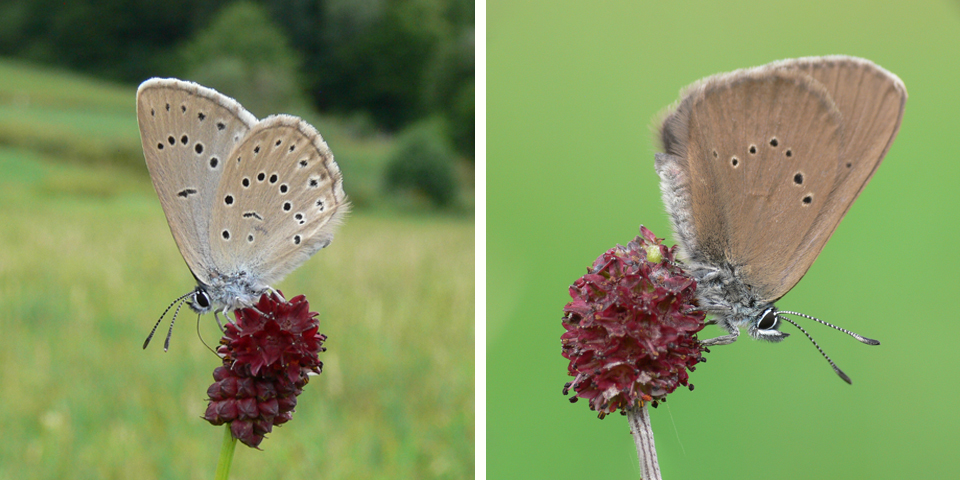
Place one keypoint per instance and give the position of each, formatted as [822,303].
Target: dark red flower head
[267,355]
[631,327]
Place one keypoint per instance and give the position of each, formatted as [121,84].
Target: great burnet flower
[631,327]
[267,356]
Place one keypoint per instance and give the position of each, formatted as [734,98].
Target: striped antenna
[868,341]
[834,365]
[155,325]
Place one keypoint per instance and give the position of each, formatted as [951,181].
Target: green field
[87,264]
[572,90]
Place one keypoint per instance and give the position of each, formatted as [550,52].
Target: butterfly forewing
[820,126]
[279,201]
[186,131]
[871,102]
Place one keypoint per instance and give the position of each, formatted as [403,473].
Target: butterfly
[247,200]
[758,168]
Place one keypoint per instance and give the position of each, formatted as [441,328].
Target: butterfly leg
[277,293]
[723,339]
[217,317]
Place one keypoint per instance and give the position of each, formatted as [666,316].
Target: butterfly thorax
[722,292]
[226,293]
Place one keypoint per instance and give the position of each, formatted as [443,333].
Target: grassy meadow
[87,263]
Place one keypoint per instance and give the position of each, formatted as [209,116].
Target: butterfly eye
[768,320]
[201,299]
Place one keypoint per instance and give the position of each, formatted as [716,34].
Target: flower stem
[643,437]
[226,454]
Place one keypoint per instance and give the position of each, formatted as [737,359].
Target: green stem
[226,454]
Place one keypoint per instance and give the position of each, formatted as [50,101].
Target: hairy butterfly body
[758,168]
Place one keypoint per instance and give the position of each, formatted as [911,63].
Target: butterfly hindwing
[760,148]
[279,200]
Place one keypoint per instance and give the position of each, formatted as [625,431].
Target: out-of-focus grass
[83,276]
[24,84]
[87,263]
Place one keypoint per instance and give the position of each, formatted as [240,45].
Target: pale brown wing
[760,150]
[871,101]
[279,201]
[187,131]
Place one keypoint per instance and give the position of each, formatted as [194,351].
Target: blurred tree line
[400,64]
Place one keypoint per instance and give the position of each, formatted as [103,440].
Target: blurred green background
[87,262]
[572,90]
